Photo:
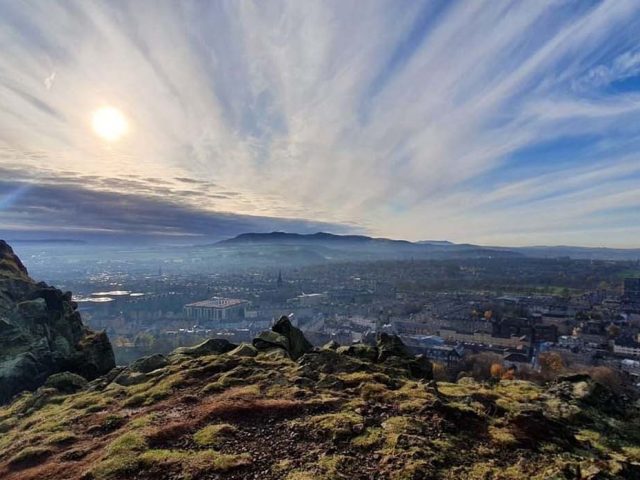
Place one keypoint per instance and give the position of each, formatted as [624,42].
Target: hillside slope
[277,410]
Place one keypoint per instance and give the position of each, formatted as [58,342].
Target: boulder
[41,332]
[149,363]
[244,350]
[331,345]
[212,346]
[360,350]
[66,382]
[127,377]
[390,346]
[268,340]
[298,345]
[582,389]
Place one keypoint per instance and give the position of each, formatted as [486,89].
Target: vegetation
[324,418]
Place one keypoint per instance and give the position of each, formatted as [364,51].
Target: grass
[194,462]
[62,438]
[371,437]
[213,435]
[403,425]
[126,443]
[30,455]
[336,425]
[371,422]
[502,436]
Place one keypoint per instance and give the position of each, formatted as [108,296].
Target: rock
[421,367]
[328,361]
[331,382]
[66,382]
[582,389]
[268,340]
[10,263]
[244,350]
[533,427]
[390,346]
[276,354]
[127,378]
[298,345]
[332,345]
[360,350]
[149,363]
[212,346]
[41,332]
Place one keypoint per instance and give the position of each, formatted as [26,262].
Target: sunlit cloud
[488,122]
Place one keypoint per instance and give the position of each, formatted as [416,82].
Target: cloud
[62,210]
[452,120]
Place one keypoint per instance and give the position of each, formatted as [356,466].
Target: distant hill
[320,237]
[384,248]
[435,242]
[326,247]
[57,241]
[584,253]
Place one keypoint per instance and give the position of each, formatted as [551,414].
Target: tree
[510,374]
[613,330]
[144,339]
[496,370]
[551,363]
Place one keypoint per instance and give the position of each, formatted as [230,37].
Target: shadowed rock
[41,333]
[212,346]
[284,336]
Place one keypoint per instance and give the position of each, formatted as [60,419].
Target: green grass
[213,435]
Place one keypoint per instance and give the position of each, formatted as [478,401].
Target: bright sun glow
[109,123]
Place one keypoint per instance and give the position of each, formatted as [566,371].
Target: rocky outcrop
[41,332]
[212,346]
[390,350]
[284,336]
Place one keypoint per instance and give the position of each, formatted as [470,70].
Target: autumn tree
[551,363]
[496,370]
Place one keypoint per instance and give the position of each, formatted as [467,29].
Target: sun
[109,123]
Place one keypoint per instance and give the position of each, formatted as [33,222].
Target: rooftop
[218,302]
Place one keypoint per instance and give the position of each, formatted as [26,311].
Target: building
[627,347]
[308,299]
[482,338]
[217,309]
[632,290]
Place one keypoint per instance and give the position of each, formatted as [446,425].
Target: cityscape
[517,310]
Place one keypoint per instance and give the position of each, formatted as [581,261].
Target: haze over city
[495,123]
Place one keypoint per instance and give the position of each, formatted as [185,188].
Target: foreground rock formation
[278,409]
[41,333]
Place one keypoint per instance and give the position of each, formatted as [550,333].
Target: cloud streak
[500,122]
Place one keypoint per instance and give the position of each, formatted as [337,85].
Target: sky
[489,122]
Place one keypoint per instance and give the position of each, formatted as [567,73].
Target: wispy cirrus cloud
[495,122]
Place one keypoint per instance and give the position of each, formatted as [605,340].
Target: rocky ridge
[280,409]
[41,332]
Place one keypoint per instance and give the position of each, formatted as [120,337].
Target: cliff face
[279,410]
[41,332]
